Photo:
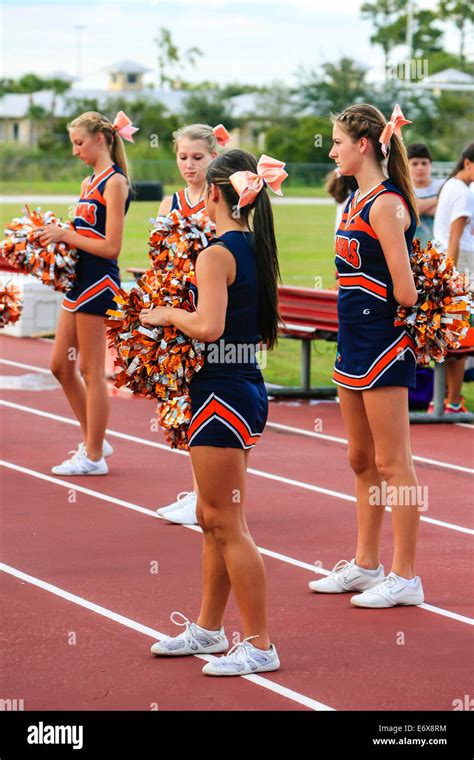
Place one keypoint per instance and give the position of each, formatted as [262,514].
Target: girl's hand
[50,233]
[157,317]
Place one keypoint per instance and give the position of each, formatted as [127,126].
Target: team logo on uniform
[348,249]
[87,212]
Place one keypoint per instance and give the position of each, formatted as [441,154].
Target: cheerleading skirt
[98,281]
[374,354]
[229,408]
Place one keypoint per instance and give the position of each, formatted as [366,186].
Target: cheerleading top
[91,208]
[98,278]
[236,348]
[182,203]
[365,284]
[229,402]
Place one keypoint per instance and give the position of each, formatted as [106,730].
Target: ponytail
[398,171]
[119,156]
[268,268]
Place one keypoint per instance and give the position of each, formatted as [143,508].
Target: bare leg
[215,580]
[221,478]
[361,455]
[455,377]
[63,366]
[387,412]
[195,485]
[92,346]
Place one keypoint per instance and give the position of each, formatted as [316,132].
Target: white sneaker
[347,576]
[243,659]
[107,449]
[81,465]
[194,640]
[390,592]
[183,511]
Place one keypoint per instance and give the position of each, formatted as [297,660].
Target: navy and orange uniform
[98,278]
[182,203]
[229,402]
[371,351]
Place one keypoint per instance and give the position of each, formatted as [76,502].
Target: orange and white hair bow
[123,125]
[247,185]
[221,134]
[396,121]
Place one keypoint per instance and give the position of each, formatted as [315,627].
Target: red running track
[64,655]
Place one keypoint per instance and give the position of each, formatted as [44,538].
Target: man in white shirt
[454,220]
[454,229]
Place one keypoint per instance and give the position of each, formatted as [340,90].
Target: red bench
[309,314]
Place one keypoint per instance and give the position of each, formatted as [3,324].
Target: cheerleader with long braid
[196,147]
[376,363]
[98,221]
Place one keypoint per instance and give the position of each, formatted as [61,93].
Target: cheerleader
[98,230]
[195,147]
[235,308]
[454,228]
[375,362]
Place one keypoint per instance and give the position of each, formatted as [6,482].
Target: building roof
[126,67]
[15,105]
[449,79]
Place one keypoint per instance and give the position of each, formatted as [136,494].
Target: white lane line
[302,431]
[258,473]
[335,439]
[21,365]
[283,691]
[196,528]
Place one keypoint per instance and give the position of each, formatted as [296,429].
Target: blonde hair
[93,122]
[364,120]
[196,132]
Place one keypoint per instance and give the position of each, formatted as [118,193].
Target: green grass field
[305,237]
[70,188]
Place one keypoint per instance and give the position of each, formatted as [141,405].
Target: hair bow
[247,185]
[397,120]
[123,125]
[221,134]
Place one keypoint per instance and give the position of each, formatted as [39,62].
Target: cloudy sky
[254,41]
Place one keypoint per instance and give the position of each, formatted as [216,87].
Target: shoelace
[78,460]
[237,652]
[343,566]
[388,582]
[76,453]
[190,627]
[181,497]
